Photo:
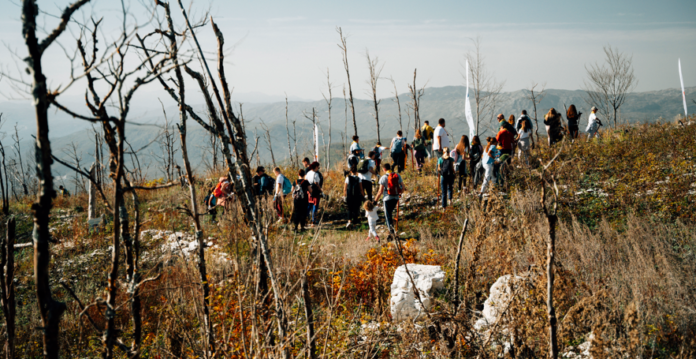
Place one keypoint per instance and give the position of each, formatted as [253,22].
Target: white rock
[501,294]
[404,304]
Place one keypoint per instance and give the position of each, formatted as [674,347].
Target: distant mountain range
[441,102]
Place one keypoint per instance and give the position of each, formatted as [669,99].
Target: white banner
[467,107]
[681,79]
[316,143]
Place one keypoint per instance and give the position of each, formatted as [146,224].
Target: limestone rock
[501,294]
[404,304]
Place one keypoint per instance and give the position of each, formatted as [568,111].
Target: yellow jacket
[427,132]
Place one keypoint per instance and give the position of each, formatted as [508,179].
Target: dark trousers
[462,175]
[389,206]
[573,131]
[420,159]
[278,204]
[509,153]
[367,187]
[354,209]
[398,159]
[447,187]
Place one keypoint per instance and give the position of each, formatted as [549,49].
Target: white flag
[316,143]
[467,107]
[681,79]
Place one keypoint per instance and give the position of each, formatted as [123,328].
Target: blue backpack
[287,186]
[398,145]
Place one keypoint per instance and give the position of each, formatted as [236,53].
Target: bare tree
[552,218]
[398,103]
[536,96]
[486,88]
[7,288]
[328,105]
[4,185]
[416,95]
[267,136]
[375,72]
[51,310]
[293,160]
[344,48]
[608,83]
[18,152]
[345,125]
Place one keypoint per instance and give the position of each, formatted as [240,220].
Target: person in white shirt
[278,193]
[593,124]
[440,138]
[366,178]
[524,138]
[372,216]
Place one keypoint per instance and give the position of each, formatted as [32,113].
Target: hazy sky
[286,46]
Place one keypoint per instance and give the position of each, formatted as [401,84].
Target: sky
[285,47]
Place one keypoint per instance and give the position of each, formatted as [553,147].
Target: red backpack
[393,187]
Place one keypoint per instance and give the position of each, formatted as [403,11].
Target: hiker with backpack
[524,138]
[460,154]
[316,181]
[63,191]
[427,133]
[440,138]
[211,203]
[593,124]
[419,150]
[262,183]
[573,117]
[554,126]
[391,185]
[300,201]
[522,118]
[398,151]
[353,159]
[355,147]
[354,196]
[475,154]
[506,139]
[445,168]
[283,187]
[366,168]
[378,149]
[488,160]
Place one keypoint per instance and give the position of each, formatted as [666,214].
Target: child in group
[371,214]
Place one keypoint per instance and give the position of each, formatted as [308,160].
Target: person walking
[398,151]
[354,196]
[391,186]
[525,141]
[488,160]
[445,167]
[278,194]
[379,149]
[460,154]
[554,126]
[315,191]
[427,133]
[306,163]
[355,148]
[372,216]
[593,124]
[475,154]
[300,201]
[419,150]
[505,139]
[440,138]
[367,168]
[263,183]
[523,117]
[63,191]
[573,117]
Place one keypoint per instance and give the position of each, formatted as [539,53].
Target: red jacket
[505,139]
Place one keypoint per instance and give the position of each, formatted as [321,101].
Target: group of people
[480,161]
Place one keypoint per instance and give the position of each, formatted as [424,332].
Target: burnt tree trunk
[7,286]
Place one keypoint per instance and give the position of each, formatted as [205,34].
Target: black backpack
[298,192]
[446,169]
[353,161]
[363,166]
[353,189]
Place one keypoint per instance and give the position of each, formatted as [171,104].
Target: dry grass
[624,271]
